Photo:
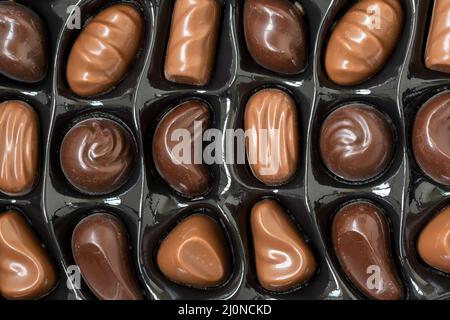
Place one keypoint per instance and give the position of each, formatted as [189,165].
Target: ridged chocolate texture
[19,147]
[104,50]
[195,253]
[430,141]
[189,178]
[275,33]
[97,156]
[437,55]
[361,240]
[356,142]
[100,248]
[433,245]
[191,50]
[23,43]
[283,258]
[26,271]
[272,136]
[363,40]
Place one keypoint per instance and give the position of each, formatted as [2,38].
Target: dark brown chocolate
[97,156]
[430,138]
[356,142]
[187,177]
[100,248]
[361,240]
[276,35]
[23,43]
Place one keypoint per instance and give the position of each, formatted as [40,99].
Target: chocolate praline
[356,142]
[97,155]
[430,138]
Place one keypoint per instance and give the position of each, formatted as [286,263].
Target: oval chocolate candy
[19,146]
[361,240]
[275,33]
[174,151]
[283,258]
[363,40]
[437,54]
[195,253]
[433,244]
[100,248]
[272,141]
[104,50]
[26,271]
[23,43]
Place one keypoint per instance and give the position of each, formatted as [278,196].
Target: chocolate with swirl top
[356,142]
[430,138]
[192,43]
[97,155]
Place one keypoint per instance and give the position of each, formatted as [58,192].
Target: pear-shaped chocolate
[101,250]
[361,241]
[283,258]
[195,253]
[434,241]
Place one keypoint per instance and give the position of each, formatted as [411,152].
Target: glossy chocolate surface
[356,142]
[191,49]
[273,144]
[26,271]
[186,176]
[433,244]
[19,148]
[430,138]
[276,35]
[195,253]
[100,248]
[104,50]
[363,40]
[361,240]
[437,55]
[23,43]
[283,259]
[97,156]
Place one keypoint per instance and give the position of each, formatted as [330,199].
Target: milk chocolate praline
[195,253]
[430,138]
[97,155]
[356,142]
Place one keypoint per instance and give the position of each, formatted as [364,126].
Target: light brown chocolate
[437,55]
[363,40]
[272,136]
[195,253]
[19,148]
[433,245]
[104,50]
[283,258]
[192,43]
[26,271]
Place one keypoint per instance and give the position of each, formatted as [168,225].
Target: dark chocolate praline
[431,138]
[97,155]
[356,142]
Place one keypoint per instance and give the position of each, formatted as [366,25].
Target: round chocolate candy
[356,142]
[430,138]
[97,156]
